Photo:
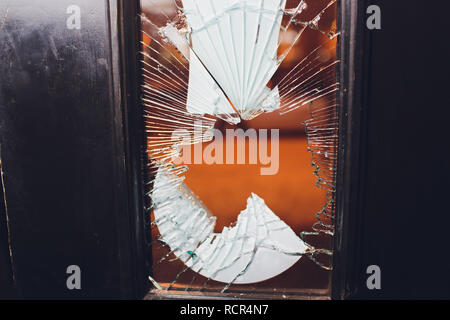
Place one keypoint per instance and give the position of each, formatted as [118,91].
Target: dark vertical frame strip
[354,56]
[132,228]
[6,270]
[128,34]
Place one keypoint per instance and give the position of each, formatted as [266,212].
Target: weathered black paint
[71,180]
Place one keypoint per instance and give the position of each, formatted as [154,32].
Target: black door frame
[131,218]
[354,53]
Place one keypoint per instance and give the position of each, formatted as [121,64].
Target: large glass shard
[260,245]
[237,42]
[207,61]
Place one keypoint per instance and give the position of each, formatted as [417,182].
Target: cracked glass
[240,100]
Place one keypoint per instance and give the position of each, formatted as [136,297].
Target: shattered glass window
[240,101]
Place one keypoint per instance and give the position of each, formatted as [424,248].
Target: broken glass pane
[210,64]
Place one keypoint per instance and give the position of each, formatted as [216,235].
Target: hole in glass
[238,96]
